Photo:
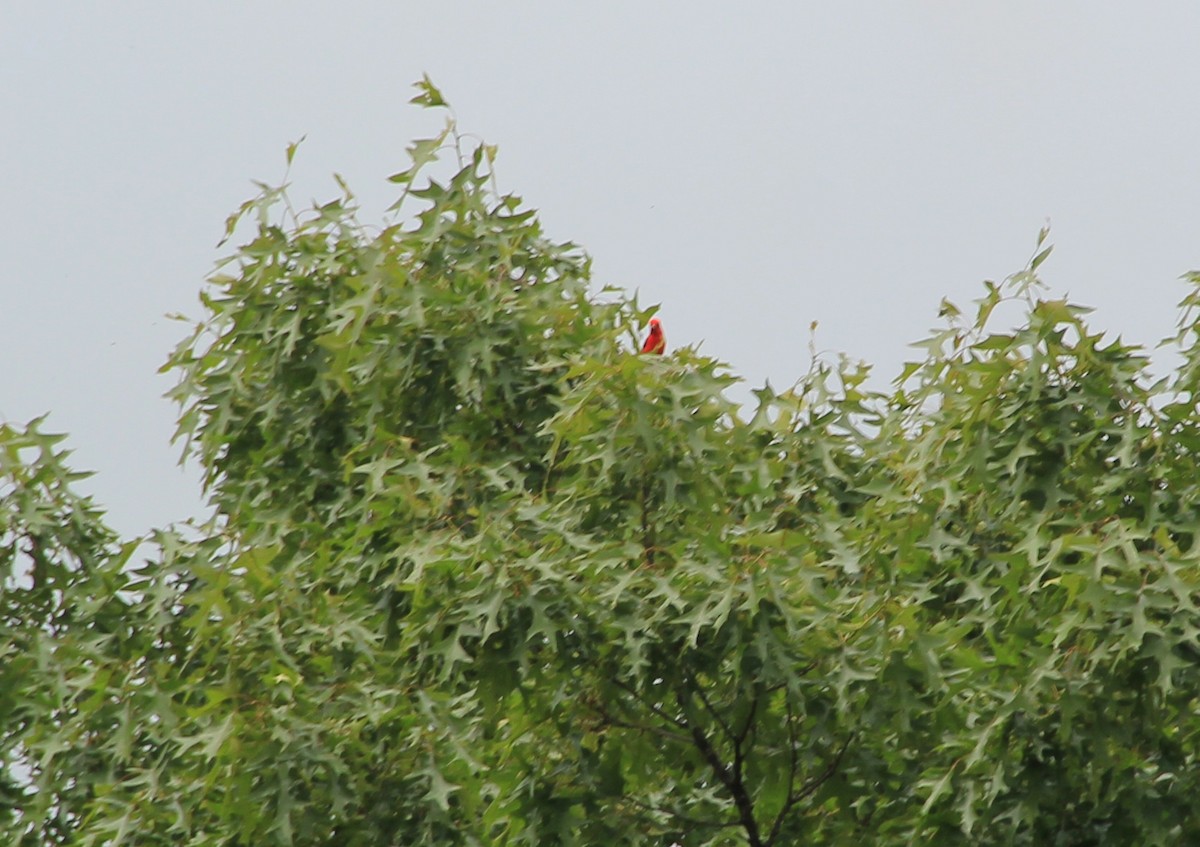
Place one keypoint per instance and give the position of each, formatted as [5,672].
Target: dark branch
[682,818]
[741,736]
[730,777]
[712,711]
[682,724]
[820,779]
[793,764]
[612,720]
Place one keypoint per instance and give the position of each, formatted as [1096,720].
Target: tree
[479,575]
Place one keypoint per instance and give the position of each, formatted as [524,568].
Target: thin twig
[612,720]
[682,724]
[818,780]
[788,802]
[712,711]
[741,736]
[682,818]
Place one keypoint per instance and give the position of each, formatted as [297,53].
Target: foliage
[479,575]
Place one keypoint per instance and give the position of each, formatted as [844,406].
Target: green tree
[479,575]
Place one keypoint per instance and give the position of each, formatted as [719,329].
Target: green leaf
[291,149]
[428,94]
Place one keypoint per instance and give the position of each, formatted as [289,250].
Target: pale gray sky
[753,171]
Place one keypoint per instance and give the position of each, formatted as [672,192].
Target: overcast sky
[849,163]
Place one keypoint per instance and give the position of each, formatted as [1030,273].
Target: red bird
[656,342]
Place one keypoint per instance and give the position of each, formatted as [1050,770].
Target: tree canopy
[480,574]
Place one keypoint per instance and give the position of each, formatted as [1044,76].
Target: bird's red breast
[656,341]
